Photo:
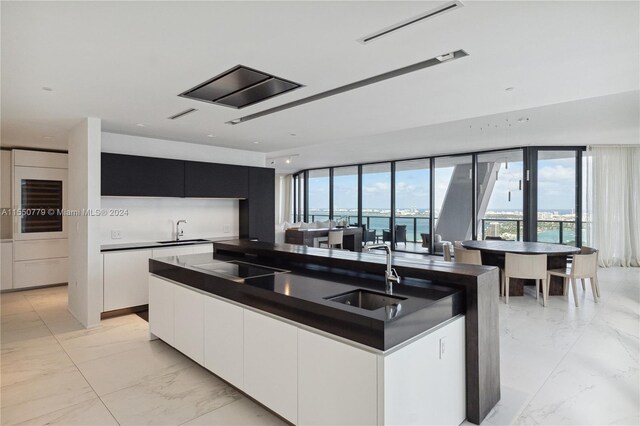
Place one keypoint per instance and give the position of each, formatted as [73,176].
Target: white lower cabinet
[125,279]
[271,363]
[308,377]
[161,314]
[6,265]
[188,311]
[337,382]
[33,273]
[223,340]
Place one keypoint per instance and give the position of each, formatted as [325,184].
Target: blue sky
[556,188]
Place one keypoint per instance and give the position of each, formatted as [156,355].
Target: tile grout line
[586,328]
[72,361]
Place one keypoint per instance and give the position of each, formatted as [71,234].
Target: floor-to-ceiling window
[376,196]
[526,194]
[345,194]
[453,199]
[412,202]
[499,195]
[556,190]
[318,195]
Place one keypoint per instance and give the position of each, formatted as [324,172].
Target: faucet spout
[390,274]
[179,231]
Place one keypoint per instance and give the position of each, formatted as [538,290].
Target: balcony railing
[415,225]
[551,231]
[557,231]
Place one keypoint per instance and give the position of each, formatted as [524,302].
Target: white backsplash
[154,219]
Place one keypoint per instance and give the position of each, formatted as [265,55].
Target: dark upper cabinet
[135,176]
[211,180]
[257,213]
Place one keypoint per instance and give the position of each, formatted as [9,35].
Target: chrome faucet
[390,275]
[179,232]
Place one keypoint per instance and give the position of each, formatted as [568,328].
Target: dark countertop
[156,244]
[300,295]
[520,247]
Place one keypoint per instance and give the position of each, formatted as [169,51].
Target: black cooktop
[239,269]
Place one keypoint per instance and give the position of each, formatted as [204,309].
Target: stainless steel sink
[366,299]
[196,240]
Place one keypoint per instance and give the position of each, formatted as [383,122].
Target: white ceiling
[125,62]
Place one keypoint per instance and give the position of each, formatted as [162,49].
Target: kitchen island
[282,325]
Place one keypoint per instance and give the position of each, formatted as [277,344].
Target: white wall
[137,145]
[154,219]
[85,268]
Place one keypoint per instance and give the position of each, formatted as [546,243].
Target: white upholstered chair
[334,239]
[583,266]
[526,266]
[463,255]
[446,251]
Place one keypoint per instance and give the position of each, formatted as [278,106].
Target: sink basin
[365,299]
[196,240]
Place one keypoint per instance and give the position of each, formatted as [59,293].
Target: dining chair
[368,236]
[334,239]
[529,267]
[462,255]
[446,251]
[582,266]
[401,234]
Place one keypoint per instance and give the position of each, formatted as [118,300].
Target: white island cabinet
[271,363]
[338,382]
[161,313]
[311,377]
[188,310]
[224,322]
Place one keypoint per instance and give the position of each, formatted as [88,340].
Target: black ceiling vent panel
[240,87]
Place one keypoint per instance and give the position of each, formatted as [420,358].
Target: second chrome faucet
[179,231]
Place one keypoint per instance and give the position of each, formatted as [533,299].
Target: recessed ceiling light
[140,125]
[256,142]
[509,89]
[288,161]
[211,135]
[47,89]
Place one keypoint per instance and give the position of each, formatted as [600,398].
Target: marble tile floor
[559,365]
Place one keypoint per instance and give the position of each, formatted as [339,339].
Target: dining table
[351,237]
[493,253]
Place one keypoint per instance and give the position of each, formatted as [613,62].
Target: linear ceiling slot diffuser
[446,7]
[182,114]
[440,59]
[240,87]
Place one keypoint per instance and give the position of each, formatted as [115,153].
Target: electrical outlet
[226,228]
[116,234]
[443,347]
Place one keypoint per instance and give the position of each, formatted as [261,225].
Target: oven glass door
[39,198]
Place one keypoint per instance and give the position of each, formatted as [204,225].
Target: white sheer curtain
[284,199]
[616,204]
